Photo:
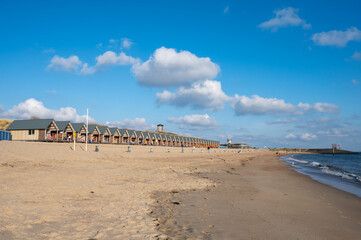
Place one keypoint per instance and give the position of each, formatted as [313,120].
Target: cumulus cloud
[290,136]
[287,17]
[257,105]
[260,106]
[308,136]
[137,124]
[336,37]
[325,108]
[201,95]
[73,64]
[85,70]
[34,108]
[355,82]
[195,121]
[126,43]
[167,67]
[356,56]
[70,64]
[111,58]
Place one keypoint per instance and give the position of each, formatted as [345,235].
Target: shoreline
[51,192]
[236,210]
[340,179]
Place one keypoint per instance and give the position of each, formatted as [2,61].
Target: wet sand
[51,192]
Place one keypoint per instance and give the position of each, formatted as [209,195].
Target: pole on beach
[86,134]
[74,136]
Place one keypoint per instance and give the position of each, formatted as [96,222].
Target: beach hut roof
[102,129]
[30,124]
[139,133]
[91,128]
[123,131]
[146,134]
[113,130]
[131,132]
[62,124]
[77,126]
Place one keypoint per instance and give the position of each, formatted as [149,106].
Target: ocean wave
[327,169]
[290,158]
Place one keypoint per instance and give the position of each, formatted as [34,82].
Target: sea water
[341,171]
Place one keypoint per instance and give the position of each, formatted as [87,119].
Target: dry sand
[49,191]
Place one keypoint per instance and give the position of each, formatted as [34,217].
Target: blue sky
[269,73]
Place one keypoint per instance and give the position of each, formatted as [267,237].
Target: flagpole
[86,135]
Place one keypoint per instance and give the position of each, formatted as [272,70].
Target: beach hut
[195,140]
[94,133]
[153,138]
[62,125]
[159,139]
[104,136]
[177,141]
[147,139]
[115,136]
[80,129]
[34,129]
[124,135]
[164,139]
[132,136]
[140,137]
[181,141]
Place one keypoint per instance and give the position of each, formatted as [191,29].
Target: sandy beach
[48,191]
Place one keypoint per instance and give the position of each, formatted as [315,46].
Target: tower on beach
[160,128]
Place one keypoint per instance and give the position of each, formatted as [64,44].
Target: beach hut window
[31,132]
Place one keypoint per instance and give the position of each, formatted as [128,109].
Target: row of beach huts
[64,131]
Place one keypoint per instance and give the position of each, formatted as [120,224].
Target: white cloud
[336,37]
[73,64]
[167,67]
[261,106]
[207,94]
[49,50]
[126,43]
[70,64]
[355,82]
[195,121]
[137,124]
[111,58]
[34,108]
[287,17]
[308,136]
[85,70]
[257,105]
[51,91]
[283,121]
[290,136]
[336,132]
[226,10]
[325,108]
[356,56]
